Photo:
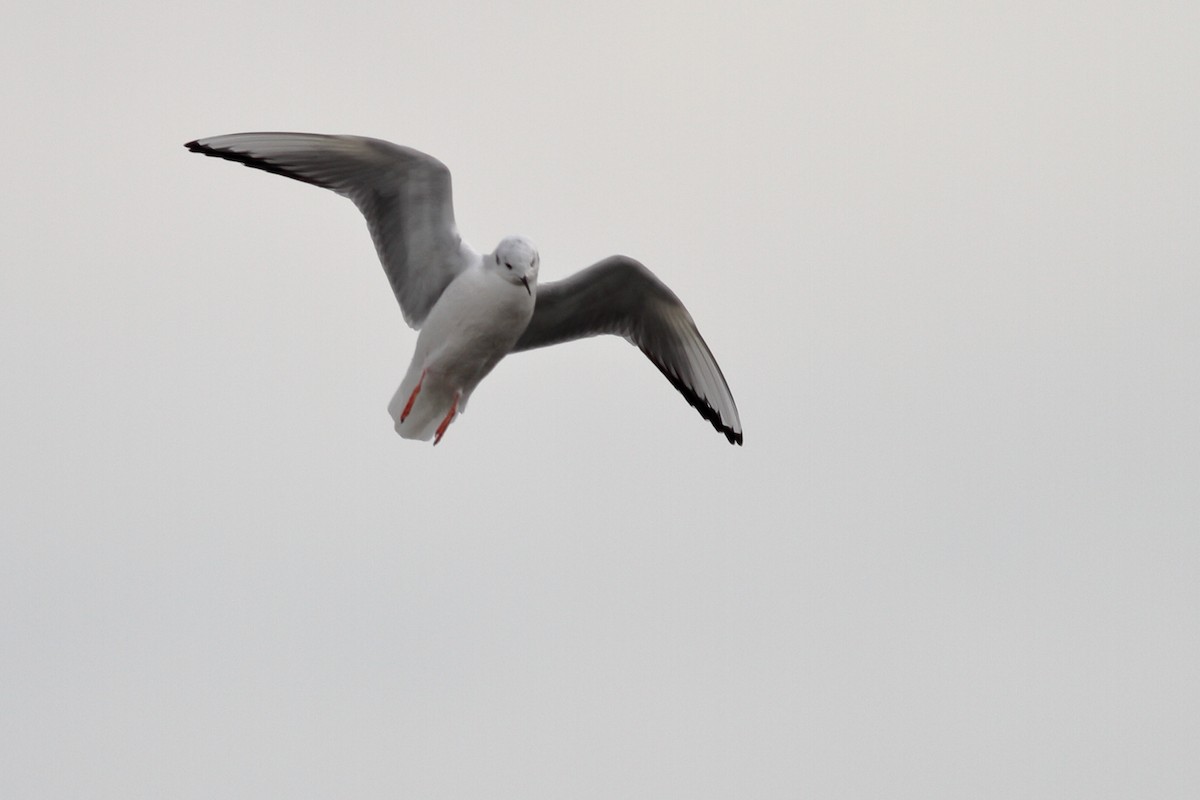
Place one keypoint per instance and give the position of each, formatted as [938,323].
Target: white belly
[474,324]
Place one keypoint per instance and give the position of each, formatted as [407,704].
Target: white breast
[474,324]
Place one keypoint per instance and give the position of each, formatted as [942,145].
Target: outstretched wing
[404,194]
[620,296]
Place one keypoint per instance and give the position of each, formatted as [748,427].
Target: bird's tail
[423,404]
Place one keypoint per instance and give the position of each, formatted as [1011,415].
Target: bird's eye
[508,265]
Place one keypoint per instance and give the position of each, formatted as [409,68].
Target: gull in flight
[472,309]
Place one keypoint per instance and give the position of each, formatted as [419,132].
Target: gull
[471,309]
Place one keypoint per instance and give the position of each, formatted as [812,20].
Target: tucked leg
[412,398]
[441,429]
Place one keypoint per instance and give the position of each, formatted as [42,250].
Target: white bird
[473,310]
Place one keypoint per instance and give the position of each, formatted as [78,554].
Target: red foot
[441,429]
[412,398]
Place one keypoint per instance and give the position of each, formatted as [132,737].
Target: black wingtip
[697,402]
[252,161]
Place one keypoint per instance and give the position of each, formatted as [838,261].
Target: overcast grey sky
[946,254]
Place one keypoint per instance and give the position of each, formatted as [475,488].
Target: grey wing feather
[404,194]
[620,296]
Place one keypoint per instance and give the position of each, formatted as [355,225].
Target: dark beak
[525,281]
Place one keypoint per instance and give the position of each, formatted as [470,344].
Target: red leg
[412,398]
[441,429]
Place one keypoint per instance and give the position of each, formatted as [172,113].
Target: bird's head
[516,259]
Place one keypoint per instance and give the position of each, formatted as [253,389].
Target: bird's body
[473,310]
[473,325]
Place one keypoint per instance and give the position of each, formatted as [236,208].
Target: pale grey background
[946,253]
